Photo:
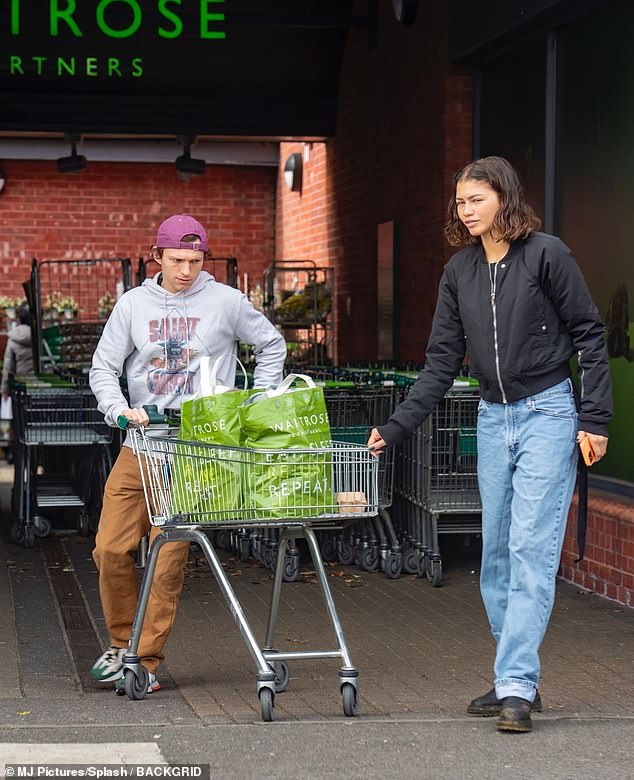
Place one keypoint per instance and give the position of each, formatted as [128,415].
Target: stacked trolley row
[63,445]
[372,544]
[57,463]
[241,478]
[436,485]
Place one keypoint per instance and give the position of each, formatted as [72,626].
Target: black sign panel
[203,66]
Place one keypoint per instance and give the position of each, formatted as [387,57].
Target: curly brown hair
[515,218]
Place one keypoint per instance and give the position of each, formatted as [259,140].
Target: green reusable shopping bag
[283,483]
[207,481]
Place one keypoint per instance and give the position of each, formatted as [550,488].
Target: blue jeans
[527,457]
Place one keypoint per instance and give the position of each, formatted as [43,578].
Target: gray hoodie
[156,338]
[18,355]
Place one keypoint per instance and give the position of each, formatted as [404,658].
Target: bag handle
[209,373]
[287,382]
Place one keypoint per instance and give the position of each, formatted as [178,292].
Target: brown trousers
[123,523]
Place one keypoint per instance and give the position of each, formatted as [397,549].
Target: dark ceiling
[136,69]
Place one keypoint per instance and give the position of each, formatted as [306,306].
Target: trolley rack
[192,487]
[373,543]
[71,301]
[436,475]
[48,421]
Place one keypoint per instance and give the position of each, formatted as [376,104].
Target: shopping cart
[372,543]
[436,480]
[192,488]
[57,426]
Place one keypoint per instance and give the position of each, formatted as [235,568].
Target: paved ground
[422,653]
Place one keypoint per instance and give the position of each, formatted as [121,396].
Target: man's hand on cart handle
[134,418]
[375,442]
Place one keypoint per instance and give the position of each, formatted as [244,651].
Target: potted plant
[105,304]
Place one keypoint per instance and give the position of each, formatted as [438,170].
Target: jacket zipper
[493,277]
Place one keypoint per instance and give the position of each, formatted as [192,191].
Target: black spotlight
[74,162]
[189,165]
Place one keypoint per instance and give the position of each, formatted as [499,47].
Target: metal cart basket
[436,473]
[191,487]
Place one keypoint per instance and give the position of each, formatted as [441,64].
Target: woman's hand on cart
[376,442]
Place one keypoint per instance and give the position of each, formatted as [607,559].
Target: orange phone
[587,452]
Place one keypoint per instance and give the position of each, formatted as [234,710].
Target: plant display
[105,304]
[56,302]
[7,302]
[311,304]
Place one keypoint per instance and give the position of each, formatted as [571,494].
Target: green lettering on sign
[170,16]
[206,17]
[65,15]
[105,28]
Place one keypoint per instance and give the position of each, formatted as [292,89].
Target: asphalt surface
[422,654]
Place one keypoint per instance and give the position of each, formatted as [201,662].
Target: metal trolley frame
[191,487]
[436,475]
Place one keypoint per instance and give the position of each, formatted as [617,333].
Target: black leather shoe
[515,715]
[489,705]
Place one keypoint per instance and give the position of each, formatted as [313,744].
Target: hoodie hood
[21,335]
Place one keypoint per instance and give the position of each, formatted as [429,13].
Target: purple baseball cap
[171,231]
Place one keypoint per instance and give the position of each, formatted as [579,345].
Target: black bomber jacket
[520,321]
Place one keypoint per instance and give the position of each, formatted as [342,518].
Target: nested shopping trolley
[436,479]
[63,455]
[372,543]
[193,487]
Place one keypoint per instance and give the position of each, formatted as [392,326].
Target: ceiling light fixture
[74,162]
[188,165]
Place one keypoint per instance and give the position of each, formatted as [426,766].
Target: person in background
[515,300]
[156,335]
[18,358]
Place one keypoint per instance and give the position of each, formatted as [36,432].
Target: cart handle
[156,418]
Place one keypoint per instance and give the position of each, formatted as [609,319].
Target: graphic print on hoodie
[169,373]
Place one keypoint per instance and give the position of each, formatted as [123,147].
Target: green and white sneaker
[153,685]
[109,665]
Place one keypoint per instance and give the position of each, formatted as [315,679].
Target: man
[156,335]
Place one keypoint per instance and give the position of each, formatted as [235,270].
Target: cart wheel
[41,526]
[291,568]
[346,553]
[411,563]
[245,549]
[328,548]
[282,676]
[15,534]
[29,537]
[349,700]
[267,704]
[136,687]
[83,523]
[436,573]
[369,558]
[393,565]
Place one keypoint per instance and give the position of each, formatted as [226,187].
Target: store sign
[62,39]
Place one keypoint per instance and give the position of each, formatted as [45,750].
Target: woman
[515,300]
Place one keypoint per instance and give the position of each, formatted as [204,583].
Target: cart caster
[16,534]
[412,561]
[267,704]
[369,559]
[282,676]
[349,700]
[291,566]
[83,523]
[41,526]
[433,571]
[245,549]
[136,686]
[346,553]
[28,539]
[328,548]
[393,565]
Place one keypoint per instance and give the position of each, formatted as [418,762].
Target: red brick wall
[112,210]
[404,126]
[608,565]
